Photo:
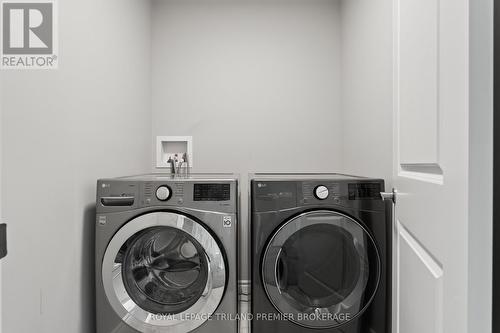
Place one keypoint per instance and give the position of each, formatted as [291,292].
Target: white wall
[366,88]
[256,83]
[61,131]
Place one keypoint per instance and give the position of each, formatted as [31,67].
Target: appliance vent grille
[148,189]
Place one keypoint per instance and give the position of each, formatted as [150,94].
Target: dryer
[166,254]
[321,254]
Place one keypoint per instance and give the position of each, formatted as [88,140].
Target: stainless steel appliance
[166,254]
[321,254]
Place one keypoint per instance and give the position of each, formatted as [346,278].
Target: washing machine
[166,254]
[320,254]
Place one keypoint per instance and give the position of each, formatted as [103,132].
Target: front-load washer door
[321,269]
[164,272]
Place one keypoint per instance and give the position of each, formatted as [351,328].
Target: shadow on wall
[88,271]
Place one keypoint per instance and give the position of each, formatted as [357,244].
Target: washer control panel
[211,193]
[187,193]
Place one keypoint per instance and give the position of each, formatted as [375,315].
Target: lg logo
[28,34]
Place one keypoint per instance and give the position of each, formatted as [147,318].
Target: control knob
[321,192]
[163,193]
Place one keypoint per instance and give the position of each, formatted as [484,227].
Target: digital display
[211,192]
[364,191]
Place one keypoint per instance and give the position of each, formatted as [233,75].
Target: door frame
[1,190]
[482,28]
[496,173]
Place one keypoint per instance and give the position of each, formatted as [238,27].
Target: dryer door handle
[281,272]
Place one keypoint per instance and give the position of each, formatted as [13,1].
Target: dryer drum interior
[321,269]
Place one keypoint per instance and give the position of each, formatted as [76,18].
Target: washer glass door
[321,269]
[164,270]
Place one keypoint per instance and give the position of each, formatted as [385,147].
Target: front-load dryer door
[164,272]
[321,269]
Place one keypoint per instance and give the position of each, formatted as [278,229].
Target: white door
[431,166]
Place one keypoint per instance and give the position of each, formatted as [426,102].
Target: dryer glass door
[321,269]
[162,271]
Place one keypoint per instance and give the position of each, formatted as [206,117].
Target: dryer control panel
[365,191]
[270,194]
[314,192]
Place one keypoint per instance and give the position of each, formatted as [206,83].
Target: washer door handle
[118,201]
